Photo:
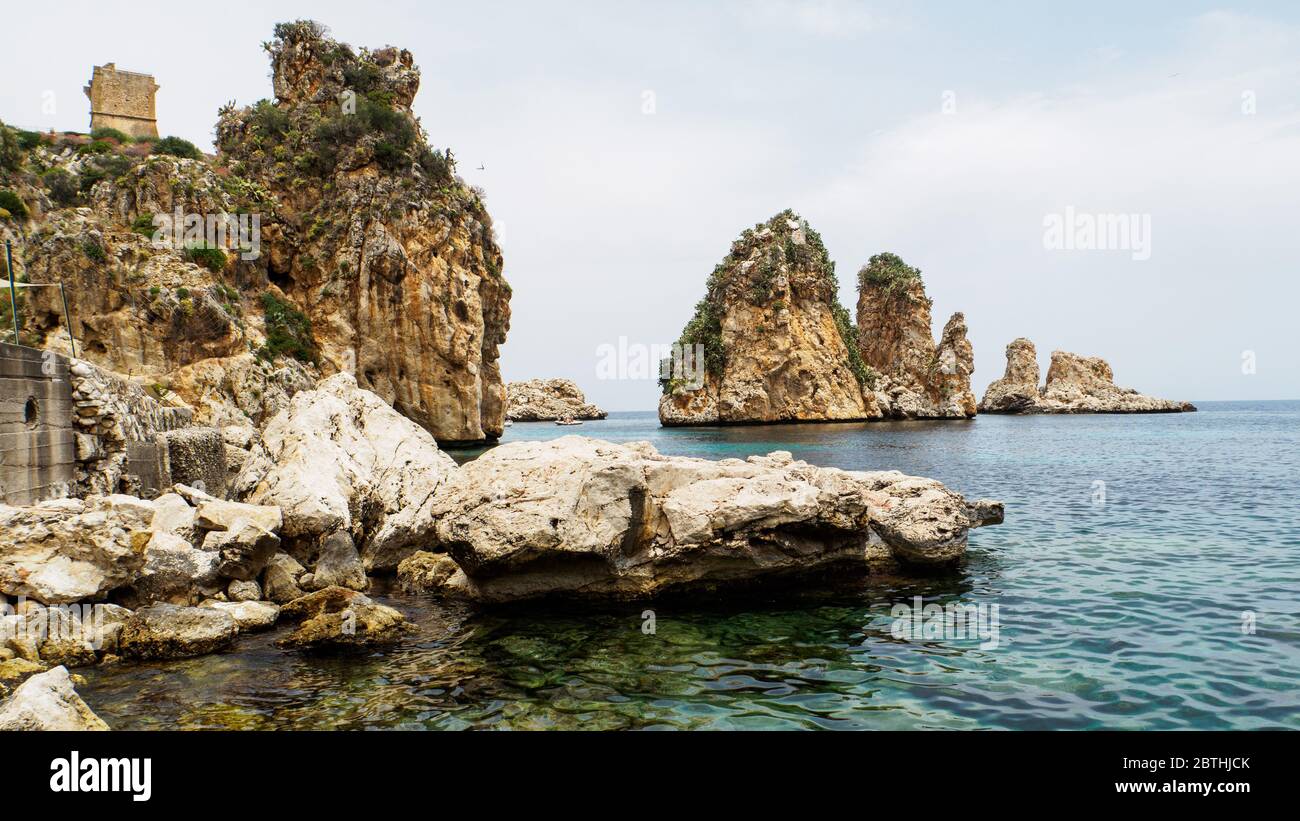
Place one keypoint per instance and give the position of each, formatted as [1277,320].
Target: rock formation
[1075,384]
[777,344]
[339,460]
[1017,390]
[371,255]
[917,379]
[391,254]
[544,400]
[582,517]
[47,701]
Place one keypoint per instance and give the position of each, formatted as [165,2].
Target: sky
[625,145]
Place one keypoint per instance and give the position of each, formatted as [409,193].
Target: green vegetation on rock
[177,147]
[214,259]
[288,331]
[12,203]
[890,274]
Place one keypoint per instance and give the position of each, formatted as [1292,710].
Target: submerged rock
[1075,384]
[424,572]
[339,618]
[777,345]
[917,378]
[166,631]
[582,517]
[339,459]
[48,701]
[545,400]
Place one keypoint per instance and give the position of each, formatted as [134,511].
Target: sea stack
[918,379]
[777,345]
[1075,384]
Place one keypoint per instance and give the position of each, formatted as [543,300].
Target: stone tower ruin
[122,100]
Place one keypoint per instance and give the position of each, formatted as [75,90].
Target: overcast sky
[626,144]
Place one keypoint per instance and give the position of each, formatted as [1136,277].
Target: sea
[1147,576]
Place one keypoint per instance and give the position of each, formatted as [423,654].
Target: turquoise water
[1172,603]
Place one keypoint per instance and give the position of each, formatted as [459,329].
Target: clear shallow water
[1126,614]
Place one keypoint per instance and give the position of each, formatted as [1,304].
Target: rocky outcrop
[544,400]
[1075,384]
[167,631]
[48,701]
[68,550]
[582,517]
[368,255]
[777,345]
[340,460]
[390,254]
[916,378]
[1017,390]
[337,618]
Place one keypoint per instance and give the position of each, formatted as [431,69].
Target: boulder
[425,572]
[244,549]
[176,572]
[174,515]
[339,459]
[238,591]
[67,551]
[218,514]
[48,701]
[544,400]
[338,565]
[339,618]
[581,517]
[280,578]
[166,631]
[248,615]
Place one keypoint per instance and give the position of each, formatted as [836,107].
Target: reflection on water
[1124,615]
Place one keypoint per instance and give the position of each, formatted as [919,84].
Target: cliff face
[371,255]
[544,400]
[776,339]
[918,379]
[1075,384]
[391,255]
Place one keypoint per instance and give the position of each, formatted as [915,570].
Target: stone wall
[110,414]
[123,100]
[38,442]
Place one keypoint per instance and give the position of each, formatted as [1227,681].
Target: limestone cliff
[778,346]
[918,379]
[1075,384]
[372,256]
[391,254]
[544,400]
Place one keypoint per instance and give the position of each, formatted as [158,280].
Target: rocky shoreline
[340,487]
